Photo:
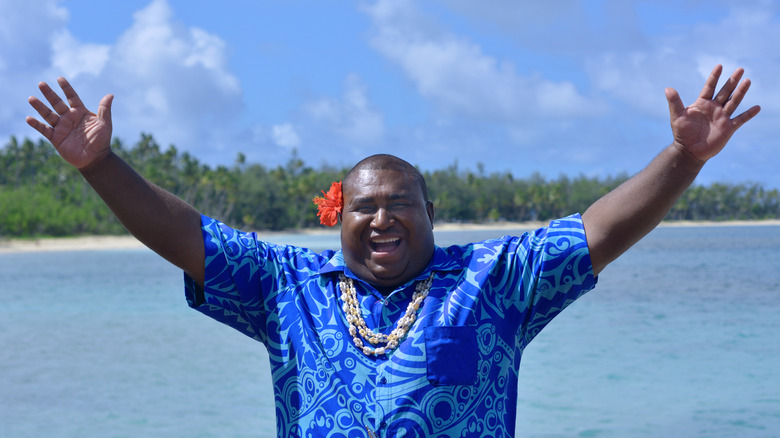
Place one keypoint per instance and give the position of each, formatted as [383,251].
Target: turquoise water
[681,338]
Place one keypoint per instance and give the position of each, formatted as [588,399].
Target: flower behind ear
[329,207]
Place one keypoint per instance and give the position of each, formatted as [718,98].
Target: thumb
[676,106]
[104,108]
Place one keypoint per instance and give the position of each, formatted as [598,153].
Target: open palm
[80,136]
[704,128]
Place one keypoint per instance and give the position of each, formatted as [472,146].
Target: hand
[703,129]
[80,136]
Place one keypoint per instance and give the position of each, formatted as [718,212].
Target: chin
[384,278]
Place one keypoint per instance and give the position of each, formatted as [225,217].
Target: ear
[430,211]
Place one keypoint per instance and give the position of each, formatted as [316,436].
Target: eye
[365,209]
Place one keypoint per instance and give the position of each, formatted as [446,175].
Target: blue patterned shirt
[455,373]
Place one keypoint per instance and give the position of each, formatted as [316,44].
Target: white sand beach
[129,242]
[69,244]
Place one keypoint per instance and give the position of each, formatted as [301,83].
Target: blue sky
[565,87]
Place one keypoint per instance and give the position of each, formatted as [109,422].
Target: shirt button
[383,380]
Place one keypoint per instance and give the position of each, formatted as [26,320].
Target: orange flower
[329,207]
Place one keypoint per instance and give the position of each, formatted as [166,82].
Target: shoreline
[84,243]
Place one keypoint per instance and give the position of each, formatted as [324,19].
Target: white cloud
[683,60]
[72,58]
[169,79]
[26,29]
[352,117]
[207,50]
[173,81]
[460,78]
[285,136]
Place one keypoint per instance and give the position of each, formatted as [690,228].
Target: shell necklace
[357,325]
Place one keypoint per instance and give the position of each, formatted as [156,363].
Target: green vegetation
[41,195]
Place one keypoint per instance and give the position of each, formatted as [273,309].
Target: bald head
[388,162]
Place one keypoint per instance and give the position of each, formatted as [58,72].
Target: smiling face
[386,226]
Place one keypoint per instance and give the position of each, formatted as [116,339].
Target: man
[392,335]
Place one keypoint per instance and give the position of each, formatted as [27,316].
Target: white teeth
[386,240]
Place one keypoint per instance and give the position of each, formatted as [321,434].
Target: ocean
[681,338]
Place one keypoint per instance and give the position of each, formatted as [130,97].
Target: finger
[725,93]
[50,116]
[54,100]
[732,104]
[36,124]
[676,106]
[711,83]
[745,117]
[73,98]
[104,108]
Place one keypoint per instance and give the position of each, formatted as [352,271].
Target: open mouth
[385,245]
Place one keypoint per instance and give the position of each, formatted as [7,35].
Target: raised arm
[625,215]
[161,221]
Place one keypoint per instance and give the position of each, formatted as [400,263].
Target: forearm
[621,218]
[161,221]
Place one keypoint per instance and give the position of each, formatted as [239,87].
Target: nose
[382,219]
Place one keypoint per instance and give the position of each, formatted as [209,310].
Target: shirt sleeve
[245,278]
[231,293]
[555,269]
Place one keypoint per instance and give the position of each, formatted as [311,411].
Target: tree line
[41,195]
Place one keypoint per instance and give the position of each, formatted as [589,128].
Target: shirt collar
[441,261]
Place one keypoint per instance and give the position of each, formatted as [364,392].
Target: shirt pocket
[451,355]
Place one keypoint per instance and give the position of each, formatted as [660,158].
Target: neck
[385,290]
